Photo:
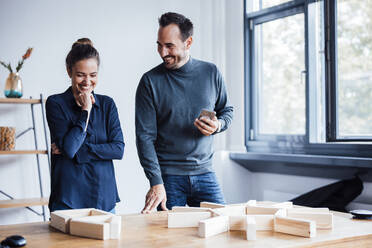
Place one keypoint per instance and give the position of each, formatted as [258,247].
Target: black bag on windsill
[334,196]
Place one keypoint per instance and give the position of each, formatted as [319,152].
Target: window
[280,59]
[308,75]
[354,66]
[263,4]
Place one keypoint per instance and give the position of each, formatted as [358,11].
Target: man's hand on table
[154,197]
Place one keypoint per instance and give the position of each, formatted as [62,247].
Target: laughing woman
[85,135]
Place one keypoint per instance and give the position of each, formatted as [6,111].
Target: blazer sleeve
[68,137]
[113,148]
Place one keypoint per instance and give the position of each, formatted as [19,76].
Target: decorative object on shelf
[7,138]
[13,85]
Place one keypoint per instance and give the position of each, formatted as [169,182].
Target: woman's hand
[55,149]
[85,100]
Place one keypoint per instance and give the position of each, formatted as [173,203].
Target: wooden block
[322,220]
[231,210]
[261,210]
[115,227]
[235,204]
[98,227]
[250,228]
[214,212]
[272,204]
[298,227]
[95,212]
[281,212]
[190,209]
[263,222]
[251,203]
[211,205]
[237,223]
[60,219]
[213,226]
[307,210]
[90,230]
[186,219]
[265,203]
[287,204]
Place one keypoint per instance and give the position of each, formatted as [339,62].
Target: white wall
[125,33]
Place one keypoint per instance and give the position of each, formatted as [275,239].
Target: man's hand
[154,197]
[55,149]
[207,126]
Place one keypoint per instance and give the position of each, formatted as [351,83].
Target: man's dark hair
[184,24]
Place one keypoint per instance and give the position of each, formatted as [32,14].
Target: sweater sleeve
[68,138]
[146,132]
[223,108]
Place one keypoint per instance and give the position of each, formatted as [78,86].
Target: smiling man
[174,145]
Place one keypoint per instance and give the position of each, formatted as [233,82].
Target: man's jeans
[192,190]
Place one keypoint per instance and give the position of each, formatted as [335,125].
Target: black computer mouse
[14,241]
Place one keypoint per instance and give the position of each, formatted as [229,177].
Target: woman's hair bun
[82,49]
[82,41]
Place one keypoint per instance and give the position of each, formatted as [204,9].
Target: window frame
[298,144]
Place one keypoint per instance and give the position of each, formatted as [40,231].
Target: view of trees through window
[280,58]
[354,88]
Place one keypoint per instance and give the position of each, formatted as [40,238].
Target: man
[174,145]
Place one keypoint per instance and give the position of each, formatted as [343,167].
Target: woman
[85,135]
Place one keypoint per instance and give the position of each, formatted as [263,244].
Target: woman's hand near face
[85,101]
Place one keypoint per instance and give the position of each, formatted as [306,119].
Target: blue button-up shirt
[83,176]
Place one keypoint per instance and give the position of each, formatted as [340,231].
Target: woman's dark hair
[81,49]
[185,25]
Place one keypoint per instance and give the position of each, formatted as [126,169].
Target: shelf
[41,200]
[338,167]
[23,152]
[18,203]
[19,100]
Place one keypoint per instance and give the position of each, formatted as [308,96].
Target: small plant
[20,63]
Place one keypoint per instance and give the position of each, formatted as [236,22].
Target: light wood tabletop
[151,231]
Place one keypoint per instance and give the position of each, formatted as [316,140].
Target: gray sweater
[167,104]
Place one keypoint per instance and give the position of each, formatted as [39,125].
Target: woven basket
[7,138]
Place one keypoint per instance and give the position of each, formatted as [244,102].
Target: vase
[13,86]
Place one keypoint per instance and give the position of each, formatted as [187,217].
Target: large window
[309,76]
[280,59]
[354,60]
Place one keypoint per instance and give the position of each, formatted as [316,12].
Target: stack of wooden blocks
[212,219]
[88,222]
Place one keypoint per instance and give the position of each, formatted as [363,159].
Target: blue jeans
[192,190]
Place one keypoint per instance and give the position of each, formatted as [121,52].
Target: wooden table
[151,231]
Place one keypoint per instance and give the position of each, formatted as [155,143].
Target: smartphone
[207,113]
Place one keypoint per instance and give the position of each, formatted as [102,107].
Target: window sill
[339,167]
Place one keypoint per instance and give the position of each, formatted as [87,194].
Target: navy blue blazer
[83,175]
